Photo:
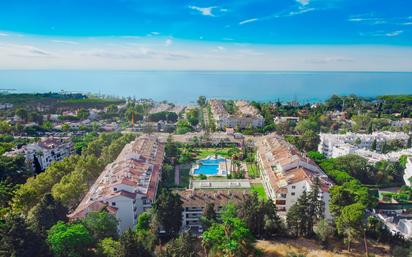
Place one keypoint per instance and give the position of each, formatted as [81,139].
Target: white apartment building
[246,115]
[286,173]
[127,186]
[408,172]
[335,145]
[41,154]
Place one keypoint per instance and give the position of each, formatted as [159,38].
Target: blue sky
[333,32]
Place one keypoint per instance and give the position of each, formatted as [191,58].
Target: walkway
[177,175]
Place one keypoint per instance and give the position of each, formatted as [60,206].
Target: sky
[301,35]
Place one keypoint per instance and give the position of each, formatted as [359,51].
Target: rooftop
[137,166]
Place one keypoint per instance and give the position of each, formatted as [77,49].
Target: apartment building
[41,154]
[286,173]
[245,116]
[407,177]
[194,202]
[127,186]
[335,145]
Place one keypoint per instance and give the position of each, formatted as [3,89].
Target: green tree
[101,225]
[230,238]
[45,214]
[70,240]
[297,217]
[252,212]
[315,207]
[323,231]
[168,209]
[131,246]
[22,114]
[83,114]
[146,233]
[201,101]
[349,222]
[182,246]
[5,127]
[108,247]
[310,140]
[209,216]
[13,169]
[17,240]
[373,146]
[183,127]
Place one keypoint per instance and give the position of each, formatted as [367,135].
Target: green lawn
[205,152]
[258,188]
[253,170]
[184,178]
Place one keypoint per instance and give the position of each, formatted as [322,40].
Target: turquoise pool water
[208,167]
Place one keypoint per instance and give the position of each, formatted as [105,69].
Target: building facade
[407,177]
[194,202]
[41,154]
[335,145]
[127,186]
[245,116]
[286,173]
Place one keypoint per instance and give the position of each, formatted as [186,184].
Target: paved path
[177,175]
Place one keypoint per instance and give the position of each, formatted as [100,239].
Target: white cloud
[394,33]
[329,59]
[206,11]
[3,34]
[248,21]
[382,33]
[303,2]
[19,50]
[168,42]
[111,53]
[68,42]
[301,11]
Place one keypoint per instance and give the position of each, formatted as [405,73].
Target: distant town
[85,175]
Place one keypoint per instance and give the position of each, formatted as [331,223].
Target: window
[115,189]
[293,187]
[113,204]
[293,193]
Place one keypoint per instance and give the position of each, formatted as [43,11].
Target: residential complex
[407,177]
[335,145]
[41,154]
[245,115]
[128,185]
[286,173]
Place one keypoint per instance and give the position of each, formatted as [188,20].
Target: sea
[184,87]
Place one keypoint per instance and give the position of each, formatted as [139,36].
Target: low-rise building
[127,186]
[283,119]
[331,144]
[402,122]
[194,201]
[245,116]
[41,154]
[407,177]
[286,173]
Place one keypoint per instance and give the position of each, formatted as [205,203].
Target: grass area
[312,248]
[258,188]
[253,170]
[184,178]
[205,152]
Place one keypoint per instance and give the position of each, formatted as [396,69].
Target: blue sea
[186,86]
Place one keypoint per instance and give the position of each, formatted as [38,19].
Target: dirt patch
[312,248]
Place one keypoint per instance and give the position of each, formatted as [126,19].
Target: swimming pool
[208,167]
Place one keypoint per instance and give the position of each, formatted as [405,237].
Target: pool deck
[221,169]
